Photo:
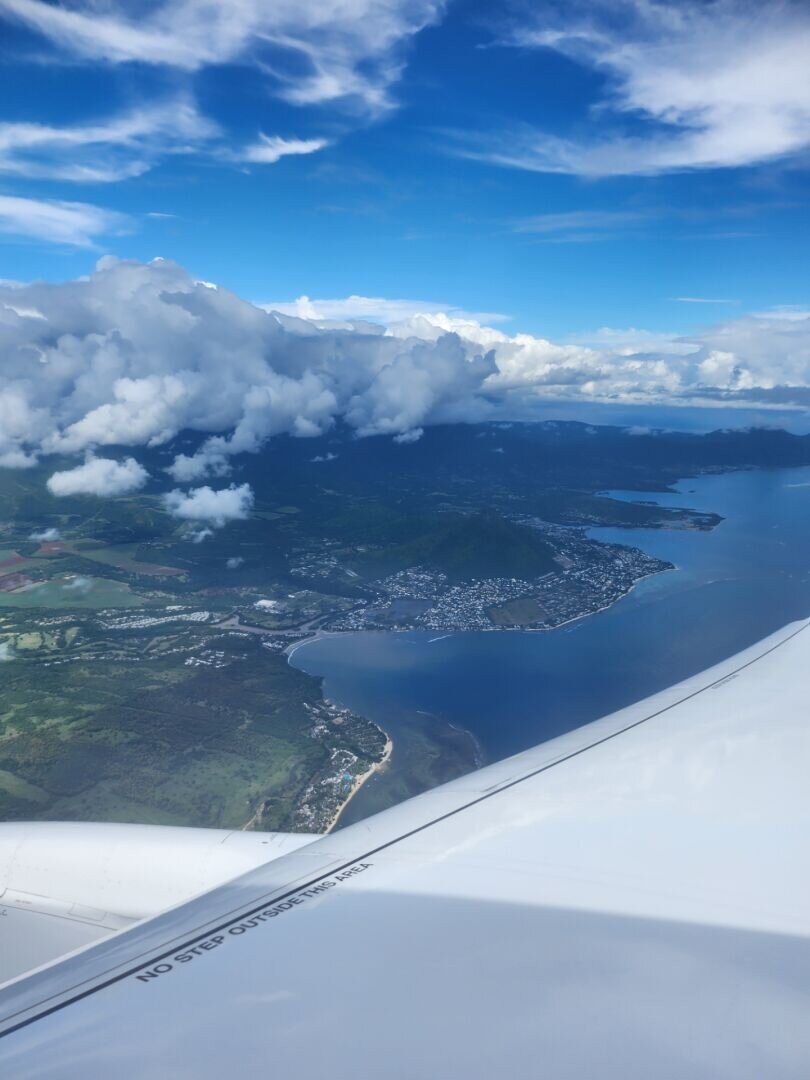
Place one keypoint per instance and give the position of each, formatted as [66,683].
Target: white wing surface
[631,900]
[66,884]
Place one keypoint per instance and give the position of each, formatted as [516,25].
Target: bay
[453,702]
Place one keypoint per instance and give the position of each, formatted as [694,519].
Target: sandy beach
[359,781]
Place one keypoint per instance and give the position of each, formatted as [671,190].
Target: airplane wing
[630,900]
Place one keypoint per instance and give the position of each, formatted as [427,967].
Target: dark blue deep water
[511,690]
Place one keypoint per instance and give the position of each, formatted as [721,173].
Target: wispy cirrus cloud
[114,148]
[689,85]
[702,300]
[77,224]
[129,144]
[308,53]
[269,149]
[573,226]
[311,52]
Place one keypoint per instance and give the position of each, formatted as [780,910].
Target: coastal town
[590,577]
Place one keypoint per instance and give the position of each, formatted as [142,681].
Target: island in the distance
[144,659]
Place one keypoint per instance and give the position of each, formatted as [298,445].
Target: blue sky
[578,208]
[420,192]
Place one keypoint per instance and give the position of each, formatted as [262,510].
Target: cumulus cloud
[134,354]
[234,562]
[690,85]
[196,536]
[411,436]
[46,536]
[99,476]
[6,651]
[186,468]
[205,504]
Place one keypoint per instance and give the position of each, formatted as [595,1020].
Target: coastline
[359,781]
[596,611]
[293,648]
[319,635]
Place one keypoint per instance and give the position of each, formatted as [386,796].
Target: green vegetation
[119,698]
[462,546]
[526,611]
[478,546]
[72,592]
[137,734]
[123,556]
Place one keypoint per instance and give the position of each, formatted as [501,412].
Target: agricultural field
[71,591]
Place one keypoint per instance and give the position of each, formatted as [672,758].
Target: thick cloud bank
[99,476]
[135,353]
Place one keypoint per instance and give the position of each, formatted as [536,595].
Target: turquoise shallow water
[511,690]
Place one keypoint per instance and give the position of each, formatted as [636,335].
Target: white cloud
[787,312]
[205,504]
[75,223]
[701,300]
[24,313]
[310,51]
[196,536]
[307,52]
[6,651]
[234,562]
[78,584]
[129,144]
[631,340]
[46,536]
[690,85]
[377,309]
[272,148]
[578,225]
[99,476]
[107,150]
[185,468]
[411,436]
[325,457]
[132,356]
